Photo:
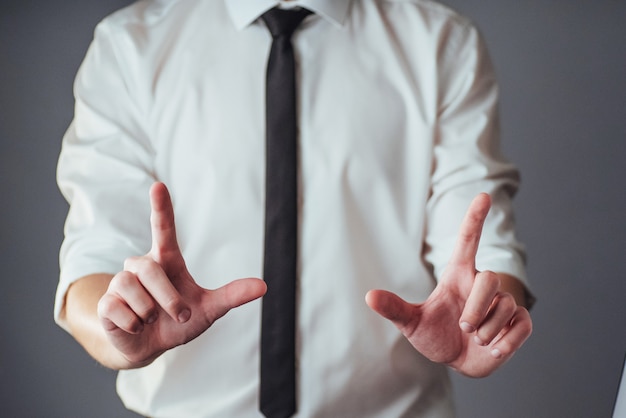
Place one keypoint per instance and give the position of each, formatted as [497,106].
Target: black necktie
[278,358]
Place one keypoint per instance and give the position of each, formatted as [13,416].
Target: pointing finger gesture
[155,304]
[467,322]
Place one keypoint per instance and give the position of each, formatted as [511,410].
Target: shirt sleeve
[468,161]
[104,169]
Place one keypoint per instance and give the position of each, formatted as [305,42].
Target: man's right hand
[155,304]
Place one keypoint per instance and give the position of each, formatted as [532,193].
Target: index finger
[471,228]
[162,221]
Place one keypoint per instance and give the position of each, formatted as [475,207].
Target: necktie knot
[284,22]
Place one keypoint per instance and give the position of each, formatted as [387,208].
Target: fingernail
[496,353]
[478,340]
[152,319]
[184,316]
[467,327]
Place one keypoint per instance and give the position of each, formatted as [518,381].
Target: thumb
[232,295]
[392,307]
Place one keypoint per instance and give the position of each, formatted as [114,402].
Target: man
[397,116]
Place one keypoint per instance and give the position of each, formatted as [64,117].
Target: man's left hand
[468,322]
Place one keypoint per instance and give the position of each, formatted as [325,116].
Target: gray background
[562,68]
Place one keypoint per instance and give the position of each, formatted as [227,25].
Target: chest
[366,101]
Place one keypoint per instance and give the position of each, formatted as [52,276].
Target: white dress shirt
[398,132]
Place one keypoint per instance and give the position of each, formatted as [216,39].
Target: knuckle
[147,312]
[130,262]
[139,264]
[486,335]
[122,281]
[132,324]
[149,268]
[507,304]
[111,310]
[490,278]
[124,285]
[473,316]
[172,304]
[106,306]
[493,276]
[526,326]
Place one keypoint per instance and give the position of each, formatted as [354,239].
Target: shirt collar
[244,12]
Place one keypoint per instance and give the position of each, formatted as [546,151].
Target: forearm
[80,314]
